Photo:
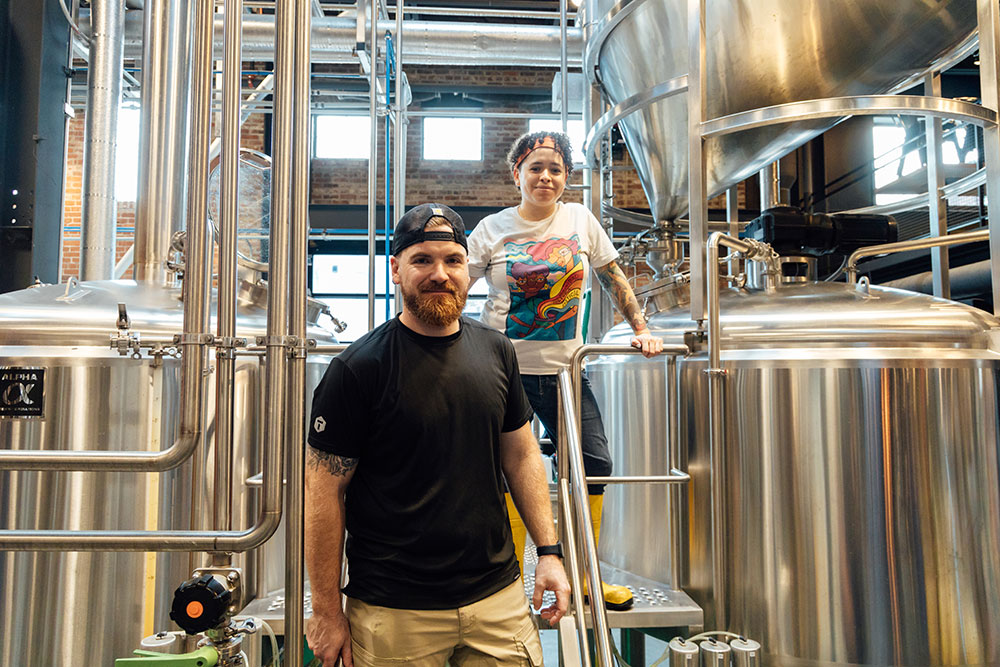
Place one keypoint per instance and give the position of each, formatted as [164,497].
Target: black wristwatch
[550,550]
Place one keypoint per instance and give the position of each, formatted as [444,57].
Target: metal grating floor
[656,605]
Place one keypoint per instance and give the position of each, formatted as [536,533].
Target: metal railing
[575,519]
[916,244]
[194,343]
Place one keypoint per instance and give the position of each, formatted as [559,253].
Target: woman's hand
[648,343]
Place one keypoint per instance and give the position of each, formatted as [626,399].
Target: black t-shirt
[427,525]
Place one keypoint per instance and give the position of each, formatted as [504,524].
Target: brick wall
[344,182]
[252,136]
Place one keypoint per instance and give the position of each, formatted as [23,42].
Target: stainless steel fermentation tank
[758,53]
[63,608]
[862,499]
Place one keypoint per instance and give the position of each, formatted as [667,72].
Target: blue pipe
[389,69]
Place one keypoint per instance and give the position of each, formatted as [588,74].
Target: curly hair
[525,141]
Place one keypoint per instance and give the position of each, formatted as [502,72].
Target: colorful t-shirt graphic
[545,279]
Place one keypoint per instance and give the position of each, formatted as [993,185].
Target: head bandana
[544,142]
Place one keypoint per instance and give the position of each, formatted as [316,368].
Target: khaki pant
[495,631]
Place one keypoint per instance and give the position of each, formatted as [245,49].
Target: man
[414,428]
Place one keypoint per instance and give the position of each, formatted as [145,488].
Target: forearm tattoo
[338,466]
[616,284]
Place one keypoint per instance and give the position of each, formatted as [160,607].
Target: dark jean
[543,394]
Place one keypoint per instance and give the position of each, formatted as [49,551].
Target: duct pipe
[229,221]
[298,264]
[770,186]
[163,135]
[432,42]
[966,281]
[104,91]
[915,244]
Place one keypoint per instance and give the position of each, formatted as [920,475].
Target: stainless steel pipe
[697,113]
[198,262]
[770,186]
[573,451]
[916,244]
[574,570]
[296,396]
[584,351]
[399,134]
[988,17]
[752,250]
[163,164]
[677,494]
[372,154]
[432,42]
[193,340]
[563,68]
[98,231]
[144,540]
[716,426]
[229,204]
[675,477]
[937,206]
[283,121]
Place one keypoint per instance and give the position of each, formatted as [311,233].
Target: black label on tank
[22,392]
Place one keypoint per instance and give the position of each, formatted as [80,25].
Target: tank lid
[86,314]
[835,315]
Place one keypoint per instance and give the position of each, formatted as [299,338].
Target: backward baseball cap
[410,228]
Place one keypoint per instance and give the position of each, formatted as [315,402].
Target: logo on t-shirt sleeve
[319,425]
[545,279]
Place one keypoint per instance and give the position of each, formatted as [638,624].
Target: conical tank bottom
[759,53]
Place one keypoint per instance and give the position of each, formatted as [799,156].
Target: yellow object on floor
[616,598]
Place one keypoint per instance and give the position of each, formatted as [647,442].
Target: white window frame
[362,135]
[438,154]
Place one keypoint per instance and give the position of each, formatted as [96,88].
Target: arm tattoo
[338,466]
[616,284]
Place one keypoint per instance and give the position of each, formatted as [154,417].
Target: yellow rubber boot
[616,598]
[517,530]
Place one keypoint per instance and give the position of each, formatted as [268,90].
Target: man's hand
[649,344]
[330,638]
[550,576]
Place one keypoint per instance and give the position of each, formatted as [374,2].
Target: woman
[536,258]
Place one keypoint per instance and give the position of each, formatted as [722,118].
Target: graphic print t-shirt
[537,273]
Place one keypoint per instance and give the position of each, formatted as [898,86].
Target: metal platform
[656,605]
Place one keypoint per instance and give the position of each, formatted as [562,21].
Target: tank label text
[22,392]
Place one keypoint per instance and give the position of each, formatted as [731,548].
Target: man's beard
[437,309]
